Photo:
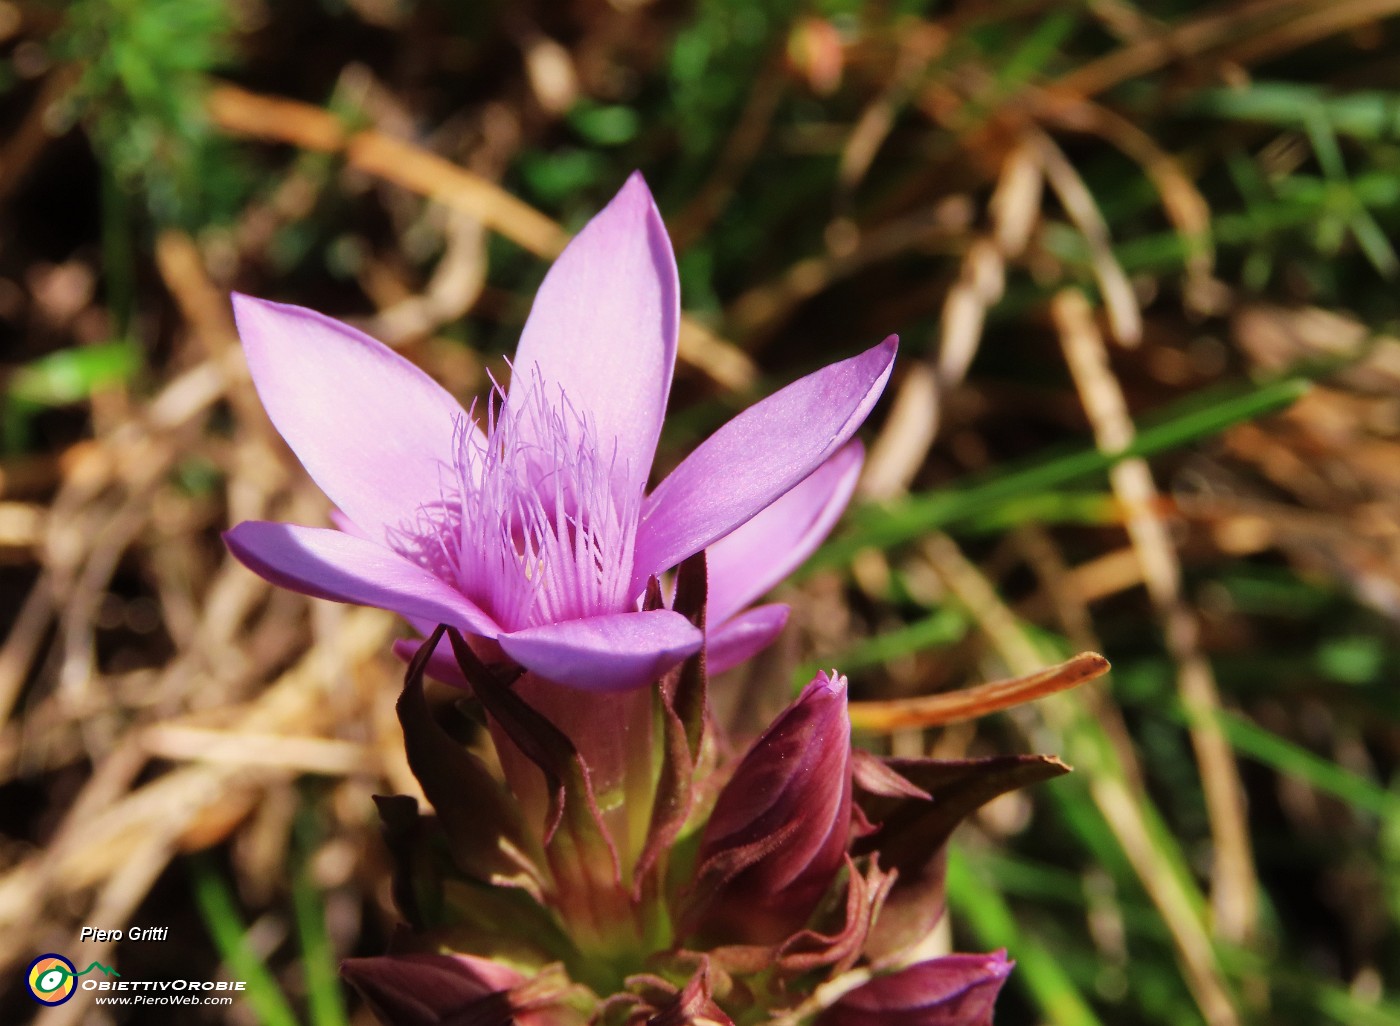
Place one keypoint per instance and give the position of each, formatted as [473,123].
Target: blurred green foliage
[144,74]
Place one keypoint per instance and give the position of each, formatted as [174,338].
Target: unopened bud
[956,990]
[779,830]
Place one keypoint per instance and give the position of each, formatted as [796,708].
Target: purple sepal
[956,990]
[692,1005]
[485,834]
[432,990]
[913,821]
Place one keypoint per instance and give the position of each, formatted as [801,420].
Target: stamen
[536,523]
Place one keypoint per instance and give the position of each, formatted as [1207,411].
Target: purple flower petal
[741,637]
[603,329]
[605,653]
[751,559]
[757,457]
[372,430]
[333,565]
[343,523]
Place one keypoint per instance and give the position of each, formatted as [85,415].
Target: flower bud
[956,990]
[425,989]
[780,828]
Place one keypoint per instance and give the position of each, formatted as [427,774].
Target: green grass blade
[1342,1006]
[1189,422]
[1296,761]
[1032,58]
[1360,114]
[943,627]
[1094,509]
[976,898]
[221,918]
[72,375]
[324,993]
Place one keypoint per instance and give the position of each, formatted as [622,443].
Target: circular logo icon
[52,979]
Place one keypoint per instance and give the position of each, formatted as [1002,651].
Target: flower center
[533,526]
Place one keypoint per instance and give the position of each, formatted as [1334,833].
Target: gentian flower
[529,525]
[767,894]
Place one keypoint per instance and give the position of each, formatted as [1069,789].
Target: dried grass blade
[974,702]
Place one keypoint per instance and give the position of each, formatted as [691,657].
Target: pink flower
[534,530]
